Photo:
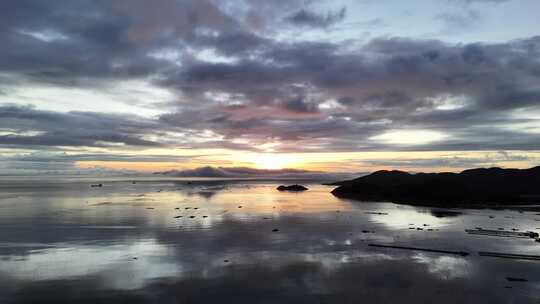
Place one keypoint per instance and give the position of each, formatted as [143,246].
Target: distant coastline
[473,187]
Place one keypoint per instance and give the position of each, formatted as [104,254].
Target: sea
[184,240]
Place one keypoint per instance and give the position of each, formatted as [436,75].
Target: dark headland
[493,186]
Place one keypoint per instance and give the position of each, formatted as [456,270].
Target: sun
[271,161]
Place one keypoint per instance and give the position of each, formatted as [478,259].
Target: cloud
[305,17]
[491,159]
[26,126]
[393,83]
[459,21]
[44,42]
[279,94]
[478,1]
[235,85]
[53,162]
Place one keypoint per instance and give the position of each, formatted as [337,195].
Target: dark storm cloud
[299,104]
[41,42]
[310,96]
[63,41]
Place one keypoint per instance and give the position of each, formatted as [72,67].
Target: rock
[509,255]
[294,188]
[445,213]
[532,234]
[377,213]
[510,279]
[503,233]
[461,253]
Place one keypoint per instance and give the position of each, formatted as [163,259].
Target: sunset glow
[333,86]
[269,151]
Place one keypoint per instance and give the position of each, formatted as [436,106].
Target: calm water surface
[170,241]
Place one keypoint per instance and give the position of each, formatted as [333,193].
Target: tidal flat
[165,240]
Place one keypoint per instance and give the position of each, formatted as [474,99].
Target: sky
[338,86]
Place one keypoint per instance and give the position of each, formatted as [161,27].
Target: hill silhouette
[474,186]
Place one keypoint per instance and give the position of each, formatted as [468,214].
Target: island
[294,188]
[482,186]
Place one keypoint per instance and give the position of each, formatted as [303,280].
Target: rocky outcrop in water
[292,188]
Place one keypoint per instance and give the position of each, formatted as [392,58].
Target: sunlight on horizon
[273,161]
[353,162]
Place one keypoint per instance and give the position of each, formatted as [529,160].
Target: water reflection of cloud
[318,254]
[373,281]
[134,263]
[446,267]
